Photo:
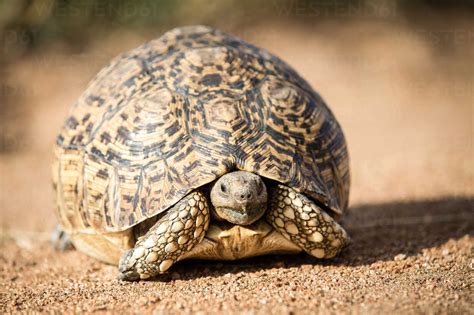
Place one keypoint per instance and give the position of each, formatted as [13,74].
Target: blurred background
[399,76]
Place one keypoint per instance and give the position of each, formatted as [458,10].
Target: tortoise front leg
[304,223]
[178,231]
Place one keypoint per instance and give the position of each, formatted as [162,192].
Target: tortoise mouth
[234,216]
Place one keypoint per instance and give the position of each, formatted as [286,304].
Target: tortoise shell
[178,112]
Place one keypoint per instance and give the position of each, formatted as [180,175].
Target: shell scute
[178,112]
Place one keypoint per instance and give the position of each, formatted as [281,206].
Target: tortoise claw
[128,275]
[127,272]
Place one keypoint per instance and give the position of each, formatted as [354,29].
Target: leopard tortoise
[199,145]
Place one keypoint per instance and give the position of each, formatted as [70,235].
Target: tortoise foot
[127,273]
[177,232]
[60,240]
[306,224]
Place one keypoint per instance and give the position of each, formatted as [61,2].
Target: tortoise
[199,145]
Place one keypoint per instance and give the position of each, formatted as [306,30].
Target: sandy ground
[424,266]
[406,105]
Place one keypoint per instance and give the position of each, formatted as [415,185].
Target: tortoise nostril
[244,197]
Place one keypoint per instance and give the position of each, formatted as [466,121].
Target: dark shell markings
[178,112]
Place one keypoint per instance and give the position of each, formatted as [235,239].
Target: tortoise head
[239,197]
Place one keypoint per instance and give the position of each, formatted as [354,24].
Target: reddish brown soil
[423,266]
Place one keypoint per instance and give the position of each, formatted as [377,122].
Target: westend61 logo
[10,37]
[336,8]
[96,8]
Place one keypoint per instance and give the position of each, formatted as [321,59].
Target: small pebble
[400,257]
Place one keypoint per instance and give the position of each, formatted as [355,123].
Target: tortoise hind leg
[178,231]
[60,240]
[304,223]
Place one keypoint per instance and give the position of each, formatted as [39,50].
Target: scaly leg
[178,231]
[304,223]
[60,240]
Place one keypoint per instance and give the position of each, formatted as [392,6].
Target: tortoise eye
[223,188]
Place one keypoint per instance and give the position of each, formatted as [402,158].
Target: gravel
[415,264]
